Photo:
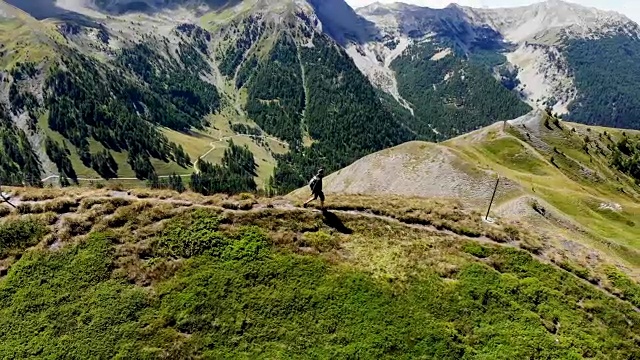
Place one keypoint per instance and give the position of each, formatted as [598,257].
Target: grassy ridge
[554,163]
[24,39]
[295,284]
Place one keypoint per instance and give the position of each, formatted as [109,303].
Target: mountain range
[143,89]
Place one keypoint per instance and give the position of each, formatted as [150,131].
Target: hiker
[316,189]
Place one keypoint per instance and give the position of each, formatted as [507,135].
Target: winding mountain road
[195,164]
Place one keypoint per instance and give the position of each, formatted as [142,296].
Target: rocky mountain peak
[527,23]
[545,21]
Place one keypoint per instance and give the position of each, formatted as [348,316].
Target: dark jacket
[316,184]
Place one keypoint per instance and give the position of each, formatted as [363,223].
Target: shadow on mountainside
[155,6]
[43,9]
[333,221]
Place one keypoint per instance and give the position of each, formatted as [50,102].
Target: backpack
[313,182]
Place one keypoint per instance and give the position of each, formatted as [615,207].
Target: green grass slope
[23,38]
[551,161]
[166,275]
[550,178]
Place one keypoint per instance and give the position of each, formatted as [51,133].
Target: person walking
[316,189]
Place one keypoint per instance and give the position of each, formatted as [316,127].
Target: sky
[630,8]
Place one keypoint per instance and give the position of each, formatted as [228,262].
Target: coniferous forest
[626,156]
[607,73]
[453,95]
[343,114]
[276,95]
[118,105]
[235,174]
[301,87]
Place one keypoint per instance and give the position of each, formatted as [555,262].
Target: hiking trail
[286,205]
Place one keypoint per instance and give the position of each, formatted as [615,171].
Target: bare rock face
[544,22]
[531,37]
[549,21]
[418,169]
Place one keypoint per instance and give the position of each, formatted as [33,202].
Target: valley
[431,73]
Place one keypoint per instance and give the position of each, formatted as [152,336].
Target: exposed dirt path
[222,139]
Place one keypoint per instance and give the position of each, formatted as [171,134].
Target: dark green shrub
[193,234]
[630,289]
[20,234]
[251,244]
[476,250]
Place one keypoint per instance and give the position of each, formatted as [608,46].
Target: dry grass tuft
[43,194]
[321,241]
[89,203]
[48,218]
[78,226]
[5,210]
[48,194]
[153,213]
[532,244]
[244,205]
[58,206]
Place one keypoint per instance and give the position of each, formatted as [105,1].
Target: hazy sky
[631,8]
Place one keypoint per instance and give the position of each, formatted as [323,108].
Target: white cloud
[630,8]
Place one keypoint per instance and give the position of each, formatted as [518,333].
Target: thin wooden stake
[492,197]
[5,199]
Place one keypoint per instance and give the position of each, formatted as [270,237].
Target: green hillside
[242,108]
[157,275]
[573,168]
[569,182]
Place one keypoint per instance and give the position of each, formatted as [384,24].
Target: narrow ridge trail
[285,205]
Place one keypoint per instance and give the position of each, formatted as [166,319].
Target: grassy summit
[560,179]
[164,275]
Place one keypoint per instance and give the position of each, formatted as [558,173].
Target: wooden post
[492,197]
[5,199]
